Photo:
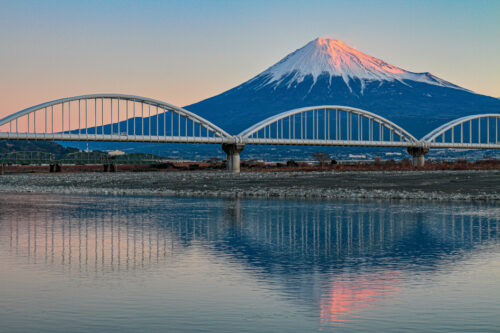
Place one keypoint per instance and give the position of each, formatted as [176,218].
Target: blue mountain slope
[418,107]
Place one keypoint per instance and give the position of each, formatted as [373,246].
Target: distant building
[115,153]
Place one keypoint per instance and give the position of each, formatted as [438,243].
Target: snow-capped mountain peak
[336,58]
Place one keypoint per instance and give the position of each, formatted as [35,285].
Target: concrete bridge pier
[109,167]
[55,168]
[418,155]
[233,151]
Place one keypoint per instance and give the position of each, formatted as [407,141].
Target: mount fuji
[330,72]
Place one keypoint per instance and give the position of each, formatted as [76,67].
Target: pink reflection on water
[351,293]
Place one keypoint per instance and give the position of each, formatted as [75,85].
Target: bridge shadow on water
[335,257]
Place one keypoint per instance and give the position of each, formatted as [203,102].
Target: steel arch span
[110,117]
[480,131]
[328,125]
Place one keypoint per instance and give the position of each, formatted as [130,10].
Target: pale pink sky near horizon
[182,52]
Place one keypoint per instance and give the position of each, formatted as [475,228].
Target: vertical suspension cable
[277,129]
[192,122]
[496,130]
[303,120]
[313,123]
[350,126]
[461,132]
[371,130]
[316,123]
[134,102]
[118,117]
[112,127]
[328,124]
[102,116]
[95,117]
[149,120]
[289,127]
[281,128]
[470,131]
[336,124]
[358,118]
[347,125]
[79,117]
[487,130]
[361,128]
[142,119]
[86,121]
[62,119]
[324,125]
[380,129]
[478,130]
[157,123]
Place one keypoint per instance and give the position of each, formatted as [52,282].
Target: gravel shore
[418,185]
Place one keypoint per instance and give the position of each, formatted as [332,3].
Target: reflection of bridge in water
[280,241]
[302,233]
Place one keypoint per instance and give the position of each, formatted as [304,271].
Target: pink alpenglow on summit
[336,58]
[329,72]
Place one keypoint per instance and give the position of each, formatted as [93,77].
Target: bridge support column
[233,151]
[418,155]
[52,168]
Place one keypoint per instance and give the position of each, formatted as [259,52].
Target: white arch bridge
[128,118]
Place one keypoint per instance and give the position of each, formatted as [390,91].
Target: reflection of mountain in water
[336,257]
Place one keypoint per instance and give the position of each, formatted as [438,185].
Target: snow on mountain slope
[334,57]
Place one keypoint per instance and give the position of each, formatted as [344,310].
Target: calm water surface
[79,263]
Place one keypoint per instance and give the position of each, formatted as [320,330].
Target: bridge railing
[81,158]
[328,125]
[27,157]
[110,117]
[138,158]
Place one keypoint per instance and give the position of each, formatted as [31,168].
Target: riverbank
[327,185]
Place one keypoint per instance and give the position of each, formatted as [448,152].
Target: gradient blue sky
[185,51]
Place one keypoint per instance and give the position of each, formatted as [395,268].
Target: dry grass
[389,165]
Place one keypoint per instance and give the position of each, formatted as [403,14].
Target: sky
[185,51]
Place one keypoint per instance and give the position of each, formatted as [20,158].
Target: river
[84,263]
